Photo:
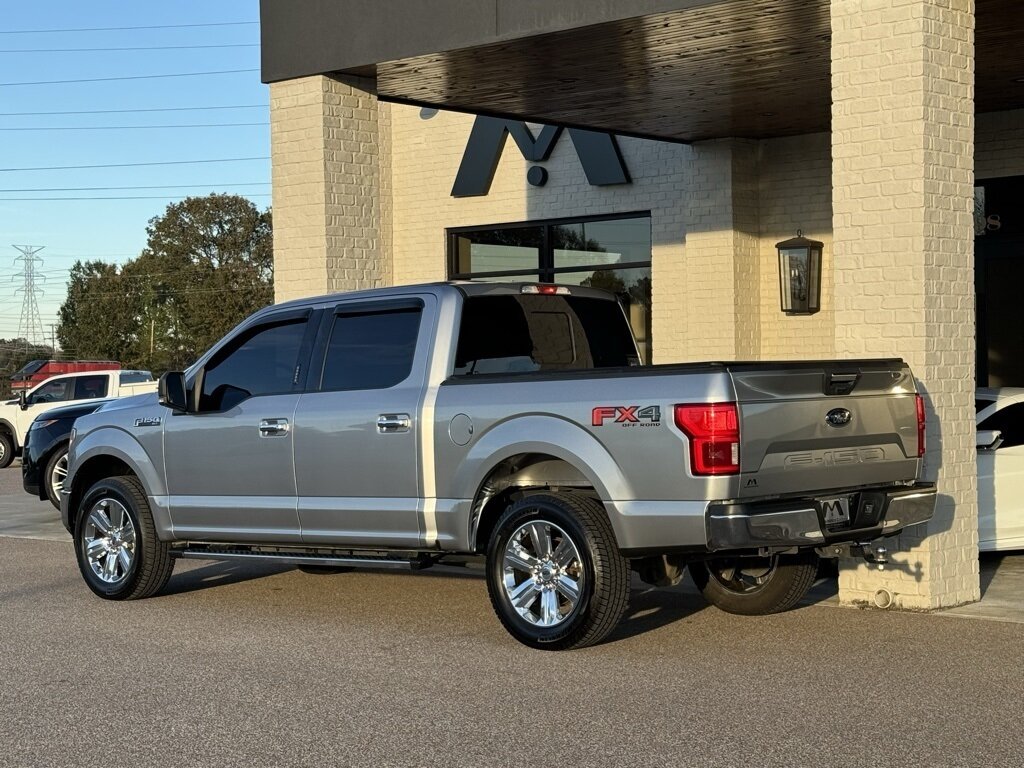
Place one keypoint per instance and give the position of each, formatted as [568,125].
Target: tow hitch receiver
[872,552]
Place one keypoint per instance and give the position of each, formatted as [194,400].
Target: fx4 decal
[626,415]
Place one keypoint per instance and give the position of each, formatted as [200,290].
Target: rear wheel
[118,552]
[755,586]
[554,573]
[6,450]
[55,474]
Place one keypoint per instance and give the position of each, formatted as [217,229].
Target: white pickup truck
[17,414]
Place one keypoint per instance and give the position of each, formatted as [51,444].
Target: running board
[416,563]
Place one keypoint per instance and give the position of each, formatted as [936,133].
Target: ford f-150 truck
[410,425]
[17,414]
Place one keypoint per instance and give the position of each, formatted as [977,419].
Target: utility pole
[53,340]
[152,333]
[30,327]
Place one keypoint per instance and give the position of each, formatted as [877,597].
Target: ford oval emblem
[838,417]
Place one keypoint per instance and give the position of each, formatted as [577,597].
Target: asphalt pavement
[250,665]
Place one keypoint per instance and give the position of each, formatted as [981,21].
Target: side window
[87,387]
[135,377]
[261,361]
[371,350]
[54,391]
[1010,422]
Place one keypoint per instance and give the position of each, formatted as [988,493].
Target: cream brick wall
[902,145]
[299,188]
[326,167]
[795,194]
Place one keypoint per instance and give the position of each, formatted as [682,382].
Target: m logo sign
[598,153]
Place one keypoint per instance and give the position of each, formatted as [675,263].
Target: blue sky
[114,230]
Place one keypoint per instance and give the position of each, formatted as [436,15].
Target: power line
[119,29]
[129,48]
[126,127]
[134,165]
[126,111]
[131,77]
[151,186]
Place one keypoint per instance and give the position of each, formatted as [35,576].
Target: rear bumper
[801,522]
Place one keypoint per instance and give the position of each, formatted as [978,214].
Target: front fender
[116,442]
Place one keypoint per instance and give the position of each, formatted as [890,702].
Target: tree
[207,264]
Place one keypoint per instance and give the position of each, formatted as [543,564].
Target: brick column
[707,305]
[329,230]
[902,178]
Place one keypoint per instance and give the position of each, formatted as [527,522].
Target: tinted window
[54,391]
[1010,422]
[135,377]
[87,387]
[371,350]
[516,334]
[261,361]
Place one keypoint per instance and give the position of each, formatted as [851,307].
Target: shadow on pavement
[218,574]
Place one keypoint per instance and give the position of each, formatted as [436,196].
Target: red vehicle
[40,370]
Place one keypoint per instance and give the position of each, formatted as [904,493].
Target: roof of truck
[466,287]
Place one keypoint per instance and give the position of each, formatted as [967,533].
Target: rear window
[525,333]
[135,377]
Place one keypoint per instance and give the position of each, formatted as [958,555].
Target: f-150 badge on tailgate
[627,415]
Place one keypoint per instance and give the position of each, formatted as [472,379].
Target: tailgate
[808,427]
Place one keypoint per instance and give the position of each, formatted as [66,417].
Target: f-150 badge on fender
[627,415]
[148,421]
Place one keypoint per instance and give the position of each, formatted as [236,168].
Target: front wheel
[116,545]
[554,573]
[755,586]
[55,474]
[6,450]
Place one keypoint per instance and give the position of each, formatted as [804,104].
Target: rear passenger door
[357,430]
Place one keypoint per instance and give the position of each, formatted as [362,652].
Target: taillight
[920,426]
[714,432]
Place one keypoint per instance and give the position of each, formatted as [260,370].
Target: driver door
[49,394]
[229,465]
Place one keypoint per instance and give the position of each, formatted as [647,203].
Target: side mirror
[172,393]
[989,439]
[22,400]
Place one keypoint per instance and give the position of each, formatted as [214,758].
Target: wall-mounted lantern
[800,275]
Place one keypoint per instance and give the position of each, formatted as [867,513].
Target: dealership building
[663,149]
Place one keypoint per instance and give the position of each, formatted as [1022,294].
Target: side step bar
[415,563]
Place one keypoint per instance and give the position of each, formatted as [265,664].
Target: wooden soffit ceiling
[748,68]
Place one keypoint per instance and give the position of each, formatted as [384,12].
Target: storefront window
[612,253]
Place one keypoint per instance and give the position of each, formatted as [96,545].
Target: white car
[1000,424]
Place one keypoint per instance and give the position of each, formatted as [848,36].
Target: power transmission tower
[30,327]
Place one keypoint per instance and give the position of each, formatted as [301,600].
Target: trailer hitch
[872,552]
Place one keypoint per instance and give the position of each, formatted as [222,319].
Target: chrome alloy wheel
[542,573]
[58,474]
[108,539]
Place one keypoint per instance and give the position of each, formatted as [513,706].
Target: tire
[138,564]
[53,476]
[756,586]
[589,567]
[324,570]
[6,450]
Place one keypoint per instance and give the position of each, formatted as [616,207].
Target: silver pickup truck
[411,425]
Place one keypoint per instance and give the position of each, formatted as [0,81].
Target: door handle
[273,427]
[393,422]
